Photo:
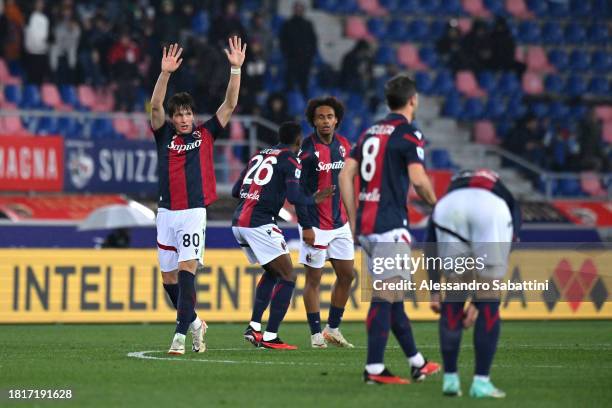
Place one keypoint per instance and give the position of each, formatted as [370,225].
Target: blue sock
[400,325]
[377,324]
[335,316]
[451,329]
[281,298]
[486,334]
[172,291]
[185,311]
[262,295]
[314,321]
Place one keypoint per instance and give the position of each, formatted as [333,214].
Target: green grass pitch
[539,364]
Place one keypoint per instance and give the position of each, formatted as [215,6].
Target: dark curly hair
[181,100]
[330,101]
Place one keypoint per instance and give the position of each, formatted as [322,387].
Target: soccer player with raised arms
[324,228]
[271,175]
[187,186]
[387,158]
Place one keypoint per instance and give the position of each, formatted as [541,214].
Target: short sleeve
[161,133]
[356,151]
[413,146]
[291,168]
[213,126]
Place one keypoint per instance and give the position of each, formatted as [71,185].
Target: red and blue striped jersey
[383,154]
[321,165]
[185,165]
[271,176]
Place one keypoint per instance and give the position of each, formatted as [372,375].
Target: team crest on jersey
[342,151]
[197,134]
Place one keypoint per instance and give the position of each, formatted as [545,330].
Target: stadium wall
[85,286]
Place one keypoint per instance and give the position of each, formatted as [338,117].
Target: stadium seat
[539,109]
[408,55]
[464,25]
[606,131]
[575,86]
[575,33]
[604,112]
[409,7]
[437,28]
[372,8]
[552,33]
[515,108]
[532,83]
[559,59]
[449,8]
[577,8]
[487,81]
[296,103]
[429,6]
[528,32]
[508,84]
[475,8]
[69,95]
[568,187]
[590,184]
[51,97]
[484,133]
[385,55]
[495,108]
[347,7]
[496,7]
[6,77]
[200,23]
[397,30]
[125,126]
[102,128]
[577,113]
[12,94]
[47,125]
[418,30]
[356,28]
[86,96]
[69,127]
[559,9]
[391,5]
[598,34]
[472,109]
[327,5]
[557,110]
[104,100]
[424,82]
[377,27]
[429,56]
[503,128]
[599,86]
[13,126]
[537,61]
[537,7]
[579,60]
[31,97]
[452,106]
[466,83]
[440,159]
[518,9]
[601,61]
[444,83]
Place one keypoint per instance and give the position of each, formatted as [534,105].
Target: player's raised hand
[321,195]
[171,58]
[237,51]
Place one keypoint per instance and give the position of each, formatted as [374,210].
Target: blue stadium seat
[450,8]
[409,6]
[276,22]
[515,108]
[385,55]
[557,110]
[508,84]
[575,86]
[102,128]
[577,113]
[327,5]
[69,95]
[487,81]
[452,106]
[69,127]
[12,93]
[200,23]
[397,30]
[552,33]
[575,33]
[429,56]
[540,109]
[558,9]
[31,97]
[496,7]
[579,8]
[602,61]
[602,9]
[390,5]
[424,83]
[553,84]
[528,32]
[296,103]
[538,7]
[437,28]
[418,30]
[598,34]
[347,7]
[559,59]
[377,27]
[472,109]
[47,125]
[444,83]
[429,6]
[495,108]
[579,60]
[440,159]
[599,86]
[569,187]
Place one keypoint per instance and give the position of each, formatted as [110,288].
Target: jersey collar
[396,116]
[318,139]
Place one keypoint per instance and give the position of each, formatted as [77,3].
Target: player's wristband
[235,71]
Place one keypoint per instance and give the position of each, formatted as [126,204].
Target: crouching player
[477,217]
[271,176]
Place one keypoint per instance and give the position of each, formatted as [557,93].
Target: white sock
[195,325]
[269,336]
[417,360]
[481,377]
[179,336]
[375,369]
[255,326]
[329,329]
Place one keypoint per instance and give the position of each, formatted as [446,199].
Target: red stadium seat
[408,55]
[356,28]
[142,128]
[590,184]
[86,95]
[12,125]
[5,75]
[484,133]
[532,83]
[465,25]
[475,8]
[607,131]
[518,9]
[466,83]
[104,101]
[50,96]
[604,112]
[537,60]
[4,104]
[126,127]
[372,8]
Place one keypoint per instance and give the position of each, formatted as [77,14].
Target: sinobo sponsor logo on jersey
[180,148]
[249,196]
[373,195]
[337,165]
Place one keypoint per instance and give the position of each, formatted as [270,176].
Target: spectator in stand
[123,59]
[477,47]
[356,71]
[298,43]
[260,32]
[36,45]
[592,147]
[226,25]
[450,49]
[63,52]
[12,24]
[102,40]
[504,48]
[185,18]
[253,77]
[525,140]
[276,112]
[89,56]
[562,149]
[167,24]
